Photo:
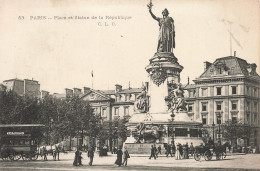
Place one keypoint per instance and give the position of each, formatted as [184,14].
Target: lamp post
[213,126]
[219,122]
[171,125]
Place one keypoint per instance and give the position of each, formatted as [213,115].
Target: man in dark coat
[45,152]
[168,150]
[152,152]
[173,149]
[91,155]
[159,150]
[181,150]
[191,149]
[77,159]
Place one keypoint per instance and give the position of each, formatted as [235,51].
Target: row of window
[234,118]
[204,106]
[219,91]
[127,97]
[219,106]
[126,111]
[204,120]
[254,119]
[116,111]
[254,106]
[204,91]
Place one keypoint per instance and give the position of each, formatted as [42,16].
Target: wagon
[19,141]
[208,151]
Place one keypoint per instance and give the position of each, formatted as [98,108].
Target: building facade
[227,90]
[23,87]
[109,104]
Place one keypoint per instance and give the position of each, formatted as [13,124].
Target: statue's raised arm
[150,11]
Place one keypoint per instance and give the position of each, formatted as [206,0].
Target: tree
[231,131]
[62,118]
[17,109]
[113,130]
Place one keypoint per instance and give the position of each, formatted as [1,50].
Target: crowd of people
[177,150]
[122,156]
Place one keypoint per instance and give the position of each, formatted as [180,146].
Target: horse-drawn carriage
[208,151]
[20,141]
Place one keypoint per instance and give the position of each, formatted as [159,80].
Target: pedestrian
[177,154]
[159,150]
[181,151]
[168,150]
[173,149]
[155,151]
[152,152]
[119,154]
[91,155]
[125,156]
[191,149]
[185,151]
[77,159]
[45,153]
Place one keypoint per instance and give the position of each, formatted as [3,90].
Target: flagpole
[230,39]
[92,78]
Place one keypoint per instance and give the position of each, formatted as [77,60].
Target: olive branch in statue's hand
[150,5]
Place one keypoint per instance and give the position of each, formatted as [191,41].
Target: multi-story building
[109,104]
[228,89]
[23,87]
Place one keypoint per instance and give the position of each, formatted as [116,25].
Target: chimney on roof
[69,92]
[45,93]
[251,68]
[118,87]
[86,90]
[206,65]
[77,91]
[235,53]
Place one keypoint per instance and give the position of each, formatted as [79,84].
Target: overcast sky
[62,53]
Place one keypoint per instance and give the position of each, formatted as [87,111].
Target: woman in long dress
[119,157]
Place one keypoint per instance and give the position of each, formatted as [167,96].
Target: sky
[62,53]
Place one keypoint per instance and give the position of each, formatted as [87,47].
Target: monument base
[160,129]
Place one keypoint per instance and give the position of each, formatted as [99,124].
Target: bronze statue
[178,102]
[142,101]
[166,40]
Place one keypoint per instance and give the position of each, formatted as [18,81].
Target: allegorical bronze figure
[166,41]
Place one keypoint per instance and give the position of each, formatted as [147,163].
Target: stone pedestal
[157,96]
[164,72]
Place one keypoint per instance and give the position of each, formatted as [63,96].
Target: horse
[54,150]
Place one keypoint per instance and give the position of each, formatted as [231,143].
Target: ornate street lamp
[213,126]
[219,115]
[171,125]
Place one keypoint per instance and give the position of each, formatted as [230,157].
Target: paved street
[234,162]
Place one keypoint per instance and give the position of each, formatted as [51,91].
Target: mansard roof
[124,91]
[231,66]
[14,79]
[130,90]
[189,86]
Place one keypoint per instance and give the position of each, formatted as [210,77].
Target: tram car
[20,141]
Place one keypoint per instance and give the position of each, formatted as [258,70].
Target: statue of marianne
[166,41]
